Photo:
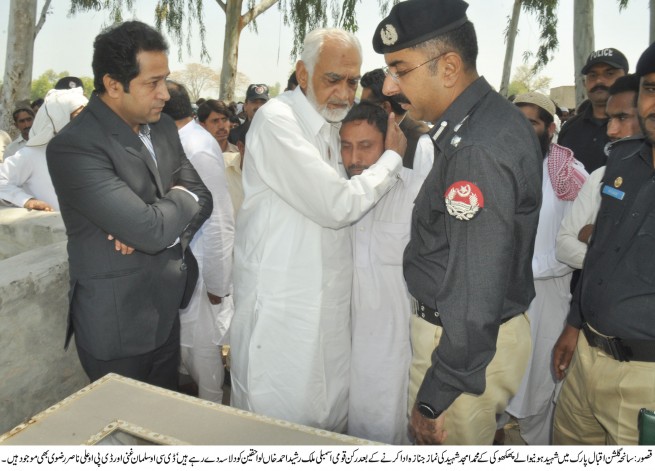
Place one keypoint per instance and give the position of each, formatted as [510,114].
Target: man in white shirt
[578,223]
[290,336]
[214,116]
[205,321]
[24,178]
[563,176]
[381,350]
[23,119]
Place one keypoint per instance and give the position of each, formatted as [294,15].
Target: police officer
[468,263]
[612,374]
[586,133]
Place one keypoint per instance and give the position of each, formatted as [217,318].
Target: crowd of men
[399,269]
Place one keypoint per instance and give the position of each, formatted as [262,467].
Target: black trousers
[158,367]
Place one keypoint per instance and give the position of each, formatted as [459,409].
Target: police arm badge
[463,200]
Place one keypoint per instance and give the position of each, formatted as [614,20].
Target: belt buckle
[610,345]
[617,349]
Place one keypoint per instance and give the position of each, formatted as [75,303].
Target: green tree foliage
[274,90]
[181,17]
[546,13]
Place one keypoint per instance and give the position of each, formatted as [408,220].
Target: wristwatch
[428,411]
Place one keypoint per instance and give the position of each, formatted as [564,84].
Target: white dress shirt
[212,245]
[381,350]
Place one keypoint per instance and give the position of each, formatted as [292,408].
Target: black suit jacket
[108,183]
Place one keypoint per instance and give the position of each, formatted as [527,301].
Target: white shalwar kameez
[290,336]
[381,350]
[203,325]
[533,405]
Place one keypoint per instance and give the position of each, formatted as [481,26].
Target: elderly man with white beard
[290,333]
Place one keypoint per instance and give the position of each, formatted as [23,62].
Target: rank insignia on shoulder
[463,200]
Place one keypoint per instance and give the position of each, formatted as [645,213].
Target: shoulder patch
[463,200]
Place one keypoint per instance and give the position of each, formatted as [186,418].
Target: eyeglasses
[395,76]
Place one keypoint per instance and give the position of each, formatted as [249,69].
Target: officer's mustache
[600,87]
[400,99]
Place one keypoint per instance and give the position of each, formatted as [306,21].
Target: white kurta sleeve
[583,211]
[14,172]
[293,167]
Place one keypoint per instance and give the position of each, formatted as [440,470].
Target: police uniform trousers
[471,419]
[601,398]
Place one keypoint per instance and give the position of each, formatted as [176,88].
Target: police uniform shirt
[473,233]
[586,136]
[616,294]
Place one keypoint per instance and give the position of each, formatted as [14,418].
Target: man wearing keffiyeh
[533,404]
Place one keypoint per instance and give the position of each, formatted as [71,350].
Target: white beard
[331,116]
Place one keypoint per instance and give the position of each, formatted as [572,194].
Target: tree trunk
[512,30]
[233,27]
[651,36]
[18,61]
[583,42]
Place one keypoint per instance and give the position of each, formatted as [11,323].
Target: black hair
[461,40]
[374,81]
[369,112]
[216,106]
[292,82]
[29,111]
[179,105]
[116,48]
[240,133]
[626,83]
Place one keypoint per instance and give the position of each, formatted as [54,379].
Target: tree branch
[257,10]
[44,12]
[222,5]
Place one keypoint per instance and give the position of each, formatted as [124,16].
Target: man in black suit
[131,202]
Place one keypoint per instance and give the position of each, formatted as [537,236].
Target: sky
[65,43]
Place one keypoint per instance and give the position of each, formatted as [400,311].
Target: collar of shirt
[459,109]
[144,135]
[232,160]
[588,115]
[646,154]
[317,123]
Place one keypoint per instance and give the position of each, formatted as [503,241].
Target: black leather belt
[427,313]
[620,349]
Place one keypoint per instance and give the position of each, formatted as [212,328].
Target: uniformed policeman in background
[612,374]
[468,264]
